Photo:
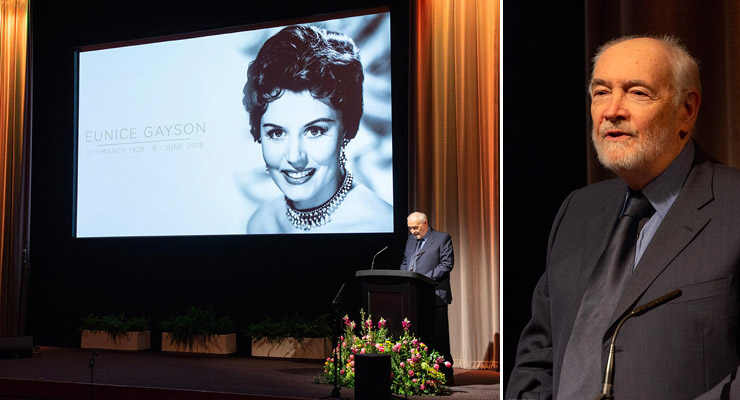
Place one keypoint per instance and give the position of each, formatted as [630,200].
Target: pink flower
[351,356]
[411,372]
[369,323]
[436,366]
[414,380]
[422,387]
[448,364]
[328,359]
[341,372]
[381,323]
[352,363]
[402,364]
[405,342]
[406,324]
[353,370]
[362,351]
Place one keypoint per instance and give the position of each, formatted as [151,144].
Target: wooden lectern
[395,295]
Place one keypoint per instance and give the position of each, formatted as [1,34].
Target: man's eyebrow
[597,81]
[637,82]
[627,84]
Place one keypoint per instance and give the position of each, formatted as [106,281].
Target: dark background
[244,277]
[544,142]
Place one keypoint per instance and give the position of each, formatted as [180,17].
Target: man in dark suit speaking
[430,253]
[670,221]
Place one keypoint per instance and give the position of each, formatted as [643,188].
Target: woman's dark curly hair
[304,57]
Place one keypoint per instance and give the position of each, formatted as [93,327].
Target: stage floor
[235,375]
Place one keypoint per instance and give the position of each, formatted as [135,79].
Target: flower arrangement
[415,368]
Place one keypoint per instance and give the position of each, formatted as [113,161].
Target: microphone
[607,391]
[372,265]
[338,298]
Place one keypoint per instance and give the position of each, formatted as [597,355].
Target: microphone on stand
[338,298]
[372,265]
[607,392]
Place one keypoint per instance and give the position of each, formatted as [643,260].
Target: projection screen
[164,146]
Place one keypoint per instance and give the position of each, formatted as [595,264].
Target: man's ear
[690,110]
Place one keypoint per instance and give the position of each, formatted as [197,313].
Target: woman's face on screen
[301,140]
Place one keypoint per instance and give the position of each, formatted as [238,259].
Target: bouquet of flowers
[415,368]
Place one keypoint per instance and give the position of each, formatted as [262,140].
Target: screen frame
[400,99]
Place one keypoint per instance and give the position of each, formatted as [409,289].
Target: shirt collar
[663,190]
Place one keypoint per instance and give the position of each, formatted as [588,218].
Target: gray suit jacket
[435,260]
[680,350]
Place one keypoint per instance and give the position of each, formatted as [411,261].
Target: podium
[395,295]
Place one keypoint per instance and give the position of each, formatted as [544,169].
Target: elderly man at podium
[430,253]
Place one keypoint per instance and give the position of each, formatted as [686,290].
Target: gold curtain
[455,160]
[13,54]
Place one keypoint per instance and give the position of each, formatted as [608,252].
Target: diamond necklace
[320,215]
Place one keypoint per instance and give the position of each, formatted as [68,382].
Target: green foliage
[114,324]
[415,368]
[297,327]
[182,328]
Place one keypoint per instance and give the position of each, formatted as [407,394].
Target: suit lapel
[597,232]
[427,246]
[682,223]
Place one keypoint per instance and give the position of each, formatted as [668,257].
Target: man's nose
[296,155]
[615,108]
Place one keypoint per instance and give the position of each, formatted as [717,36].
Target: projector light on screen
[267,131]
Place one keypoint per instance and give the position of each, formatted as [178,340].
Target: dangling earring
[342,155]
[267,170]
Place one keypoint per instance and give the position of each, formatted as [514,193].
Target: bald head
[418,225]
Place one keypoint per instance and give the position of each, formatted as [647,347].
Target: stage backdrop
[243,276]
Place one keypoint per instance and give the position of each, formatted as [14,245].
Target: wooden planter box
[218,344]
[310,348]
[130,341]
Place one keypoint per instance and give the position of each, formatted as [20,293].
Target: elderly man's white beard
[632,154]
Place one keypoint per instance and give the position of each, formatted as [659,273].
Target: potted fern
[198,330]
[115,332]
[291,337]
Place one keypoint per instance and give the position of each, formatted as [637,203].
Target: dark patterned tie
[416,254]
[582,372]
